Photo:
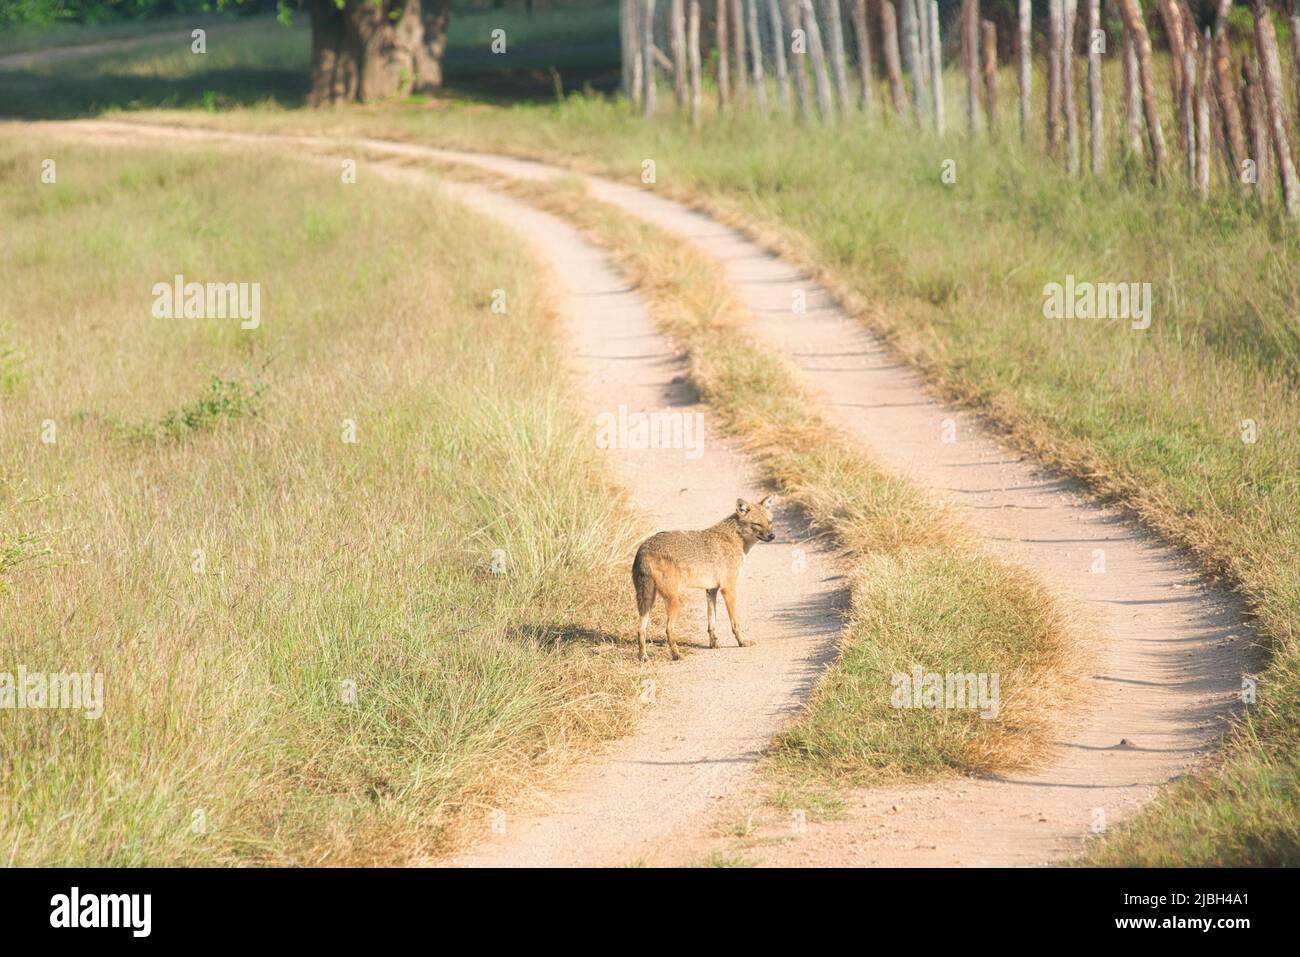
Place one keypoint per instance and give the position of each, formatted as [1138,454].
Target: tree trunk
[825,104]
[1132,14]
[720,34]
[1188,109]
[893,70]
[1024,52]
[912,58]
[936,66]
[839,64]
[368,51]
[628,45]
[693,55]
[970,13]
[1258,130]
[1173,21]
[756,54]
[1203,118]
[863,37]
[1225,83]
[677,43]
[778,54]
[1271,69]
[923,34]
[1070,16]
[648,56]
[1295,52]
[989,44]
[738,49]
[794,13]
[1054,18]
[1096,150]
[1132,96]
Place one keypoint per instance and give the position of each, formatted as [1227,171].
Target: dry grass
[324,564]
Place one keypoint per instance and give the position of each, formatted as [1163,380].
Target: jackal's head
[755,520]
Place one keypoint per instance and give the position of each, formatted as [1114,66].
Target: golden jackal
[710,559]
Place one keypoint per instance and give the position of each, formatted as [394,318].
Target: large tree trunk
[1055,16]
[720,36]
[693,54]
[989,61]
[756,54]
[936,65]
[366,51]
[1258,130]
[825,103]
[970,34]
[794,13]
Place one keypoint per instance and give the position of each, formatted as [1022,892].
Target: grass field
[953,274]
[314,650]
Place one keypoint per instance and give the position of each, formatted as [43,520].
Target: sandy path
[1174,643]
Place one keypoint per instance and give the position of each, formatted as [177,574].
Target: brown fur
[710,559]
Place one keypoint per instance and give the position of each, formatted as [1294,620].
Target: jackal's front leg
[730,597]
[713,617]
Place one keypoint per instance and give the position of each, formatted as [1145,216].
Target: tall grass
[315,650]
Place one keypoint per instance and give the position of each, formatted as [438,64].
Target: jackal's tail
[644,584]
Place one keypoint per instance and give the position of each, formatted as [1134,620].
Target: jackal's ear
[742,507]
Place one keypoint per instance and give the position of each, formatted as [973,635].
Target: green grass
[242,571]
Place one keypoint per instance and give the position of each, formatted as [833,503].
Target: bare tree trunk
[1203,134]
[794,13]
[366,52]
[721,16]
[1173,21]
[626,17]
[428,51]
[1225,82]
[989,38]
[648,55]
[863,38]
[893,70]
[1024,52]
[1188,109]
[1258,129]
[1055,16]
[825,104]
[970,13]
[936,66]
[1096,39]
[1070,16]
[923,19]
[912,58]
[738,47]
[677,41]
[693,54]
[1294,23]
[778,54]
[1271,68]
[638,53]
[1132,14]
[756,52]
[1132,96]
[838,60]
